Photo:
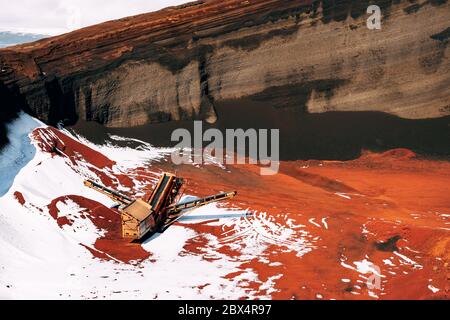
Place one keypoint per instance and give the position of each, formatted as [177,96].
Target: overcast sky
[54,17]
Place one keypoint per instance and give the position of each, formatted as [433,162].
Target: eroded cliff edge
[177,63]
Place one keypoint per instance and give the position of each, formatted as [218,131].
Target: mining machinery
[155,213]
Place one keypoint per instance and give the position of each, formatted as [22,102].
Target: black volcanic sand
[325,136]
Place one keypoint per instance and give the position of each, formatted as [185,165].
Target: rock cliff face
[177,63]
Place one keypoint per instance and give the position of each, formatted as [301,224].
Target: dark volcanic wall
[177,63]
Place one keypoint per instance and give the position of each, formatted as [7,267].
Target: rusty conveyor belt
[173,209]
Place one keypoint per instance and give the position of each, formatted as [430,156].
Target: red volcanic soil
[111,246]
[389,203]
[53,141]
[19,197]
[388,208]
[57,143]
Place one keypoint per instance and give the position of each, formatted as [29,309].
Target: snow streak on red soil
[111,245]
[317,230]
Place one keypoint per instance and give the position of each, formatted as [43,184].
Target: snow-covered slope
[59,239]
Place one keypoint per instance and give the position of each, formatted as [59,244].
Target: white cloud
[60,16]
